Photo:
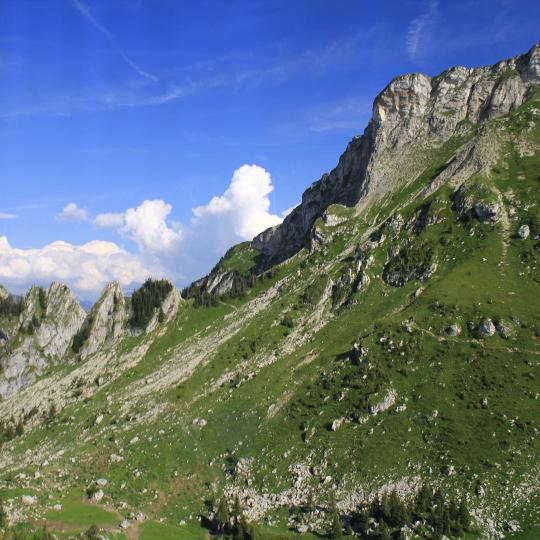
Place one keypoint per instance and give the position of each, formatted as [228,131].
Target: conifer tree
[336,529]
[4,524]
[464,517]
[222,515]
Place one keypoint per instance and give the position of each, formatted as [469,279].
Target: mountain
[369,366]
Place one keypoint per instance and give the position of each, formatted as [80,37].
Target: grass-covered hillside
[382,383]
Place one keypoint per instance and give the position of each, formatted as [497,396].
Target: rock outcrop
[106,319]
[411,116]
[54,316]
[48,321]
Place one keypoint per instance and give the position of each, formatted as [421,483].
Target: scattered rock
[488,212]
[97,496]
[199,422]
[504,329]
[524,231]
[454,330]
[486,328]
[388,401]
[29,500]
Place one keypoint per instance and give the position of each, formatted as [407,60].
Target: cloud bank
[161,246]
[87,268]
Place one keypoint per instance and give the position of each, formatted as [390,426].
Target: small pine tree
[423,501]
[398,512]
[222,515]
[336,529]
[42,299]
[362,521]
[463,516]
[4,523]
[384,532]
[19,429]
[92,533]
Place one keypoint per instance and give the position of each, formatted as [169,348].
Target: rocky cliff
[106,320]
[412,117]
[53,328]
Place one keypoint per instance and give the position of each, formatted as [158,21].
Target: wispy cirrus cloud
[419,29]
[313,62]
[349,113]
[5,215]
[84,10]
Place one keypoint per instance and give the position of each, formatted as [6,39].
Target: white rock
[29,500]
[486,328]
[97,496]
[524,231]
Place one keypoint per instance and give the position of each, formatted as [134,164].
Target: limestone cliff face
[106,320]
[169,309]
[412,116]
[3,293]
[48,321]
[56,316]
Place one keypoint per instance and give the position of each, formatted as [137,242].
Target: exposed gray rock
[59,322]
[332,220]
[486,328]
[488,212]
[54,317]
[504,329]
[3,293]
[454,330]
[524,231]
[384,404]
[168,310]
[106,319]
[412,113]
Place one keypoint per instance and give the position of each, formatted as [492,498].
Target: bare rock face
[3,293]
[412,116]
[524,231]
[488,212]
[486,328]
[106,319]
[56,316]
[169,309]
[49,320]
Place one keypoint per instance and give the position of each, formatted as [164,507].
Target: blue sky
[108,104]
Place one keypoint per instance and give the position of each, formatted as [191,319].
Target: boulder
[524,231]
[488,212]
[29,500]
[504,329]
[486,328]
[454,330]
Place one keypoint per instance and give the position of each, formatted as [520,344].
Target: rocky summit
[368,367]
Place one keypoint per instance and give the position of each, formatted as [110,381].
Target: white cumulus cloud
[86,268]
[72,212]
[161,247]
[243,208]
[239,214]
